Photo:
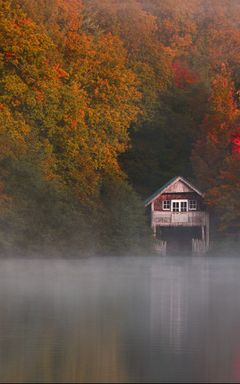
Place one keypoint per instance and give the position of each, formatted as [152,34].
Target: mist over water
[173,319]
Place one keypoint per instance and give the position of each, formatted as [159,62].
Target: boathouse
[177,210]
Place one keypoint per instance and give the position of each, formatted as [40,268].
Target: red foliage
[60,72]
[183,74]
[26,21]
[74,124]
[236,142]
[9,56]
[39,96]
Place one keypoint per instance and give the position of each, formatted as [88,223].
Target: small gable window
[166,205]
[193,205]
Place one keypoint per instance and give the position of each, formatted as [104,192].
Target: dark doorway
[179,239]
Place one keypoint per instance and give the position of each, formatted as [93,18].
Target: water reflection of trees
[172,320]
[75,354]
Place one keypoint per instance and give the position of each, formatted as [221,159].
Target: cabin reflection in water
[179,220]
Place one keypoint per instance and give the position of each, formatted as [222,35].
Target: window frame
[166,201]
[180,201]
[196,205]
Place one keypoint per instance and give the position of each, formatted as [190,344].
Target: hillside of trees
[101,102]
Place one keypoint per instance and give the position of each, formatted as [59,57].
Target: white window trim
[166,209]
[179,201]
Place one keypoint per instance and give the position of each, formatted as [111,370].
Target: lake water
[149,319]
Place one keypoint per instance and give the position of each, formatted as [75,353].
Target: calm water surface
[120,320]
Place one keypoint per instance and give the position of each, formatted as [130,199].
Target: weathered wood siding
[178,187]
[175,219]
[178,196]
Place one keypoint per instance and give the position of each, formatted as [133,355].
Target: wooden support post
[154,231]
[203,233]
[207,233]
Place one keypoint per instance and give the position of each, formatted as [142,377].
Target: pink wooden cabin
[180,204]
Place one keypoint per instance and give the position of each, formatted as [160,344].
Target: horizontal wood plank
[175,219]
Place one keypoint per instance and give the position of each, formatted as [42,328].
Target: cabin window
[176,206]
[166,205]
[179,206]
[184,206]
[192,205]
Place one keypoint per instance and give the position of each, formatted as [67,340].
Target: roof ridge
[147,201]
[160,190]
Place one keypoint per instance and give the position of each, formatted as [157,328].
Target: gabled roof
[161,190]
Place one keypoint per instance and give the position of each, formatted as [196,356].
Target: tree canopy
[112,98]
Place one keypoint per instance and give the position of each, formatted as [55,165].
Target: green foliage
[67,100]
[124,218]
[216,163]
[93,91]
[40,217]
[225,195]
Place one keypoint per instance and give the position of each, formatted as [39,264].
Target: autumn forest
[103,101]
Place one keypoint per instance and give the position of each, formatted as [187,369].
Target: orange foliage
[72,11]
[26,22]
[183,74]
[223,112]
[74,124]
[39,96]
[216,136]
[61,74]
